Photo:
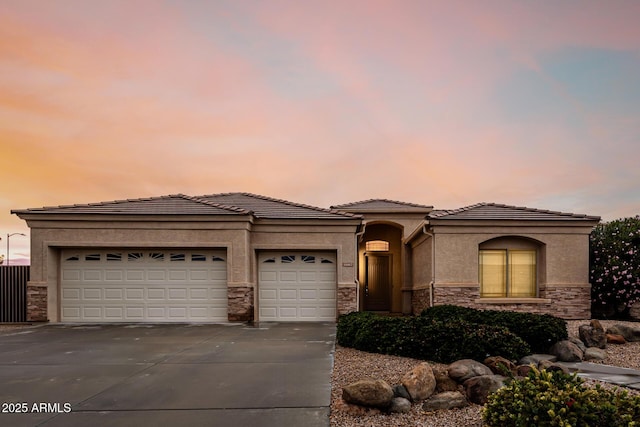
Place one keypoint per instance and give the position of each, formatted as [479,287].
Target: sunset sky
[444,103]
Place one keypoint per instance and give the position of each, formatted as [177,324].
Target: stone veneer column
[36,303]
[240,305]
[419,300]
[347,300]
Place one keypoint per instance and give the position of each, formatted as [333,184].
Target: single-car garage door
[297,286]
[136,285]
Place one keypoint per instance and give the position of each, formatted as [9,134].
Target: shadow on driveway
[274,374]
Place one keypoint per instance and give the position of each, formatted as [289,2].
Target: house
[242,257]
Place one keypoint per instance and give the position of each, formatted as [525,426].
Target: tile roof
[382,205]
[267,207]
[175,204]
[494,211]
[213,204]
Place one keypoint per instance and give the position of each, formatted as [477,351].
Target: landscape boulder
[401,391]
[629,333]
[478,388]
[615,339]
[634,311]
[464,369]
[445,400]
[500,366]
[536,358]
[419,382]
[567,351]
[594,353]
[367,392]
[400,405]
[592,336]
[443,381]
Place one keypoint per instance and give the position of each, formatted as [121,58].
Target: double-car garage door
[135,285]
[174,285]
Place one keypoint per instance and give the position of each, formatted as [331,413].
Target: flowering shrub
[615,266]
[546,398]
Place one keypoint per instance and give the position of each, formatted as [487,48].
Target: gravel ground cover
[351,365]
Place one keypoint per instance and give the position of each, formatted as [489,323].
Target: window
[92,257]
[177,257]
[507,273]
[134,256]
[377,246]
[198,257]
[287,259]
[308,259]
[114,257]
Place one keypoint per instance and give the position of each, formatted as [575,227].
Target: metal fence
[13,293]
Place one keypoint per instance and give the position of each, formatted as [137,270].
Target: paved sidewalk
[610,374]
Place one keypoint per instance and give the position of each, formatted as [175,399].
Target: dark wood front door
[377,291]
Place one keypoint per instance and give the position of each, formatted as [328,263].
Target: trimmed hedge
[540,331]
[428,339]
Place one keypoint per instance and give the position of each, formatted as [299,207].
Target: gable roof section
[270,208]
[382,205]
[494,211]
[175,204]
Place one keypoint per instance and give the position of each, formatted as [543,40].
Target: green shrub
[428,339]
[540,331]
[546,398]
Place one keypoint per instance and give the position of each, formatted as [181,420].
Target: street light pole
[8,236]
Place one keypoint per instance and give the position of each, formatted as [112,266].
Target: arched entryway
[381,272]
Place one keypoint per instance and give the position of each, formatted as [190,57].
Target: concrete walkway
[610,374]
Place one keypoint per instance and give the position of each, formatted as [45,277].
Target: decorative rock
[593,337]
[594,353]
[629,333]
[579,343]
[478,388]
[446,400]
[499,365]
[374,393]
[523,370]
[464,369]
[536,358]
[420,382]
[595,324]
[567,351]
[634,311]
[343,406]
[615,339]
[552,366]
[401,391]
[443,381]
[400,405]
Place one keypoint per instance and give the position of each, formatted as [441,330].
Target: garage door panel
[71,275]
[113,275]
[134,275]
[156,275]
[288,295]
[169,285]
[288,276]
[71,294]
[308,294]
[308,276]
[91,275]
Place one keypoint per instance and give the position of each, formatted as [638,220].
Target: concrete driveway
[165,375]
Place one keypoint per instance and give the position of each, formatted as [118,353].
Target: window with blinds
[507,273]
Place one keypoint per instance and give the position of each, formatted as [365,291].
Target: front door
[377,289]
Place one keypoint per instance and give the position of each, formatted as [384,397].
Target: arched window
[377,246]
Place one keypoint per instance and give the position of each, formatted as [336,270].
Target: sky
[443,103]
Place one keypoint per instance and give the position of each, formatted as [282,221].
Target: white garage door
[132,285]
[297,286]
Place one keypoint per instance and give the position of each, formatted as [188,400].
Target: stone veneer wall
[419,300]
[570,302]
[36,303]
[240,308]
[347,300]
[565,302]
